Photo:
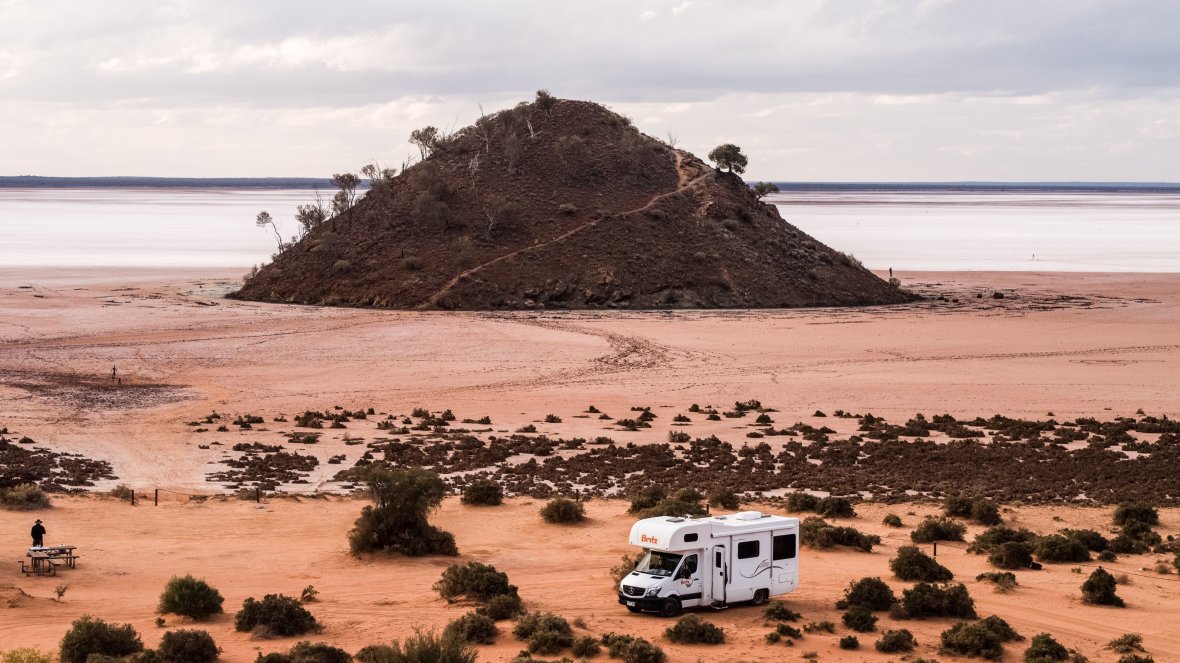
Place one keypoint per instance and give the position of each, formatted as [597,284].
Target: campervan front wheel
[670,607]
[760,597]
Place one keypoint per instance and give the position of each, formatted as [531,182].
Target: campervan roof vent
[675,520]
[749,515]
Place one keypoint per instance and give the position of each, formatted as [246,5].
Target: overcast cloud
[812,89]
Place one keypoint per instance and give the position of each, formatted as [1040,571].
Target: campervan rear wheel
[760,596]
[670,607]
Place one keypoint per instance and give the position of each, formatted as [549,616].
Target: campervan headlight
[654,591]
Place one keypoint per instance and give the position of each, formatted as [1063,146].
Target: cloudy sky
[831,90]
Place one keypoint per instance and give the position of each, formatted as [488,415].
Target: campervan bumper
[640,603]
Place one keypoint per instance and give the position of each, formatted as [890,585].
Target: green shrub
[778,611]
[1011,555]
[562,511]
[1099,589]
[646,498]
[276,615]
[475,580]
[1141,512]
[938,529]
[319,652]
[483,493]
[912,564]
[835,507]
[797,502]
[585,647]
[1093,541]
[24,655]
[90,635]
[927,600]
[1126,643]
[474,628]
[1001,628]
[276,657]
[374,654]
[818,533]
[724,498]
[1044,649]
[788,631]
[871,593]
[190,597]
[860,618]
[544,632]
[503,606]
[896,642]
[691,630]
[993,537]
[849,642]
[626,565]
[24,497]
[892,520]
[985,512]
[398,521]
[1057,548]
[983,638]
[821,626]
[1135,658]
[632,649]
[1004,581]
[422,647]
[188,646]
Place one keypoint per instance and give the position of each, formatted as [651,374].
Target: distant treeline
[34,181]
[986,187]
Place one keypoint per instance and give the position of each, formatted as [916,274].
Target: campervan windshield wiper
[660,564]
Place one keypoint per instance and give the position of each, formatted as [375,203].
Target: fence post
[258,494]
[936,549]
[156,501]
[132,498]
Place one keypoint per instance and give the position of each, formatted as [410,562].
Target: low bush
[1140,512]
[896,642]
[819,627]
[914,565]
[835,507]
[190,597]
[187,646]
[724,498]
[632,649]
[1057,548]
[563,511]
[994,537]
[474,628]
[475,580]
[1135,658]
[318,652]
[1004,581]
[1011,555]
[860,618]
[1044,649]
[585,647]
[483,493]
[871,593]
[691,630]
[276,615]
[422,647]
[892,520]
[89,636]
[849,642]
[502,606]
[1126,643]
[983,638]
[1093,541]
[544,632]
[797,502]
[777,611]
[24,497]
[626,565]
[927,600]
[24,655]
[938,529]
[788,631]
[1099,589]
[818,533]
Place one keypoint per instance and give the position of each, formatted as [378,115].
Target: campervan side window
[690,537]
[784,546]
[748,549]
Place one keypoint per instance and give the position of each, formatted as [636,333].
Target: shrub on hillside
[871,593]
[474,628]
[24,497]
[691,630]
[89,635]
[818,533]
[912,564]
[724,498]
[938,529]
[398,521]
[276,615]
[1011,555]
[190,597]
[483,493]
[927,600]
[896,642]
[632,649]
[1099,589]
[544,632]
[1057,548]
[860,618]
[563,511]
[187,646]
[318,652]
[983,638]
[1044,649]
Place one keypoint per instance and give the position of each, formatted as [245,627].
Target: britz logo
[643,538]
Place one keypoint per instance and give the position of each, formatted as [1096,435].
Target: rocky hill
[561,204]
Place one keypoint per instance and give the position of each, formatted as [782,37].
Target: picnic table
[44,560]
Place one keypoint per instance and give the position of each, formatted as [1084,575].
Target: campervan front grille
[632,591]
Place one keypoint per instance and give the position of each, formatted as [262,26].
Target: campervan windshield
[657,563]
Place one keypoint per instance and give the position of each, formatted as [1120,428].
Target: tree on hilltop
[729,157]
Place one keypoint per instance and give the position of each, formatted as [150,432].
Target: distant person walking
[38,534]
[114,373]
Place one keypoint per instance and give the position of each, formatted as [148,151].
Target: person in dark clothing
[38,534]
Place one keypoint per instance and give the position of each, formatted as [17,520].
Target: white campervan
[711,561]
